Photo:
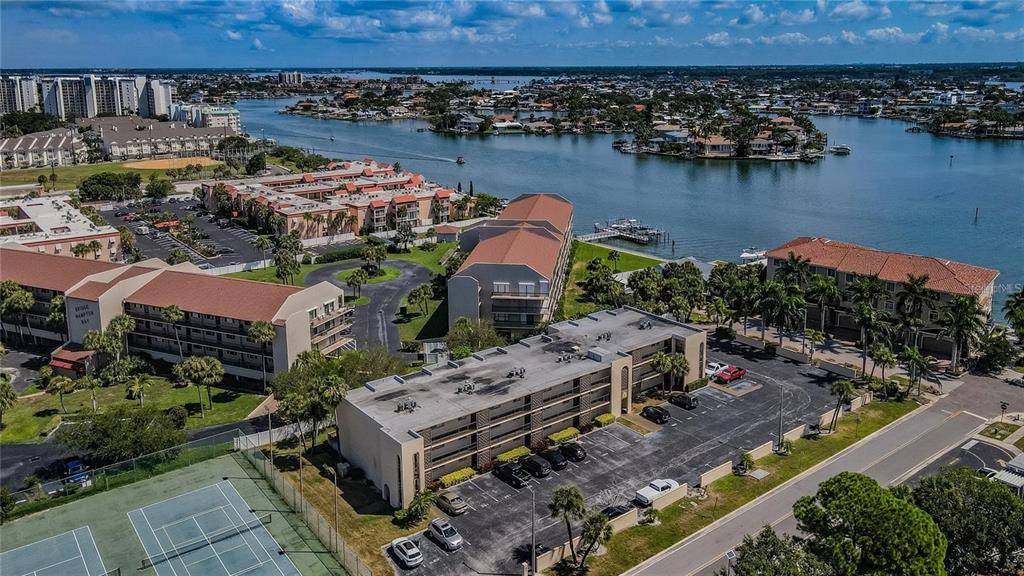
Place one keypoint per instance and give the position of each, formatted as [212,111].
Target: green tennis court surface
[209,531]
[72,553]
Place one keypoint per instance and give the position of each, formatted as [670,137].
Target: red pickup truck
[731,373]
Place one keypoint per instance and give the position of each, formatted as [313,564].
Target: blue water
[896,191]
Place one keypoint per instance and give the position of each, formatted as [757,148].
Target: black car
[655,414]
[555,458]
[513,474]
[616,510]
[120,213]
[537,466]
[685,401]
[573,451]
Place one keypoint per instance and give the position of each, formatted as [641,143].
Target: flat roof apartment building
[845,262]
[407,431]
[515,266]
[349,197]
[218,311]
[51,225]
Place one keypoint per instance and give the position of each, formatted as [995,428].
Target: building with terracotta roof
[514,269]
[845,262]
[357,197]
[218,311]
[52,225]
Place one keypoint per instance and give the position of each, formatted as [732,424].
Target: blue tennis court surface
[208,532]
[72,553]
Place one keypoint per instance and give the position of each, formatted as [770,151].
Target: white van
[144,230]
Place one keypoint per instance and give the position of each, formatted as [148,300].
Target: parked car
[616,510]
[513,474]
[445,534]
[172,200]
[1016,382]
[407,551]
[656,414]
[225,250]
[555,457]
[656,489]
[537,466]
[987,473]
[731,374]
[451,503]
[205,266]
[143,230]
[223,223]
[573,451]
[714,369]
[685,401]
[211,218]
[120,213]
[76,472]
[153,210]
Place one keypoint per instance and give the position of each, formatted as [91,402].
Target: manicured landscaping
[361,301]
[414,325]
[999,430]
[584,252]
[428,259]
[35,415]
[680,520]
[268,274]
[387,273]
[1020,443]
[70,176]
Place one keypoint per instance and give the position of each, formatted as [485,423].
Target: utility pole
[533,532]
[803,334]
[782,399]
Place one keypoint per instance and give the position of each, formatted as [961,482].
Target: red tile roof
[943,275]
[214,295]
[443,194]
[404,199]
[378,204]
[550,207]
[48,271]
[518,246]
[446,229]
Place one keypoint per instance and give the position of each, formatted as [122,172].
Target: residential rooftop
[47,219]
[439,393]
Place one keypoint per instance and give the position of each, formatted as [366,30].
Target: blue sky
[310,33]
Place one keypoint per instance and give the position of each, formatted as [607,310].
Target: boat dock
[625,229]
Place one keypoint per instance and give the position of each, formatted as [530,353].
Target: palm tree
[172,315]
[746,298]
[789,311]
[596,531]
[60,385]
[842,389]
[882,357]
[824,293]
[262,333]
[1014,311]
[42,181]
[18,301]
[137,386]
[673,365]
[614,256]
[120,326]
[794,271]
[963,321]
[814,337]
[866,318]
[719,311]
[356,280]
[911,302]
[90,383]
[917,364]
[8,397]
[770,299]
[866,290]
[567,503]
[263,244]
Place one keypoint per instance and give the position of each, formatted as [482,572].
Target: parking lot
[973,454]
[238,240]
[496,529]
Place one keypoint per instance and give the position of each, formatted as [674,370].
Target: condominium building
[514,270]
[131,137]
[18,94]
[218,311]
[65,97]
[289,77]
[349,197]
[207,116]
[846,262]
[57,147]
[407,431]
[88,96]
[52,225]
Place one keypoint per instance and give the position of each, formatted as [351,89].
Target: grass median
[682,519]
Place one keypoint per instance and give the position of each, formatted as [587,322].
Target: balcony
[517,295]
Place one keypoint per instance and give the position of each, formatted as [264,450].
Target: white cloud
[233,35]
[805,16]
[302,11]
[973,13]
[717,39]
[891,34]
[826,40]
[752,16]
[602,18]
[257,45]
[937,32]
[637,21]
[860,10]
[977,34]
[848,37]
[787,39]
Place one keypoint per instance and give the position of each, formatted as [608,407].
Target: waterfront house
[715,145]
[468,123]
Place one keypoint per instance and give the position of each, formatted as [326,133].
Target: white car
[407,552]
[713,369]
[656,489]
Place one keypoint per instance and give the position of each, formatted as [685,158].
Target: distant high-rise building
[88,96]
[207,116]
[66,97]
[289,77]
[18,94]
[156,99]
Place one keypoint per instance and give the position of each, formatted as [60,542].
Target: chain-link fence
[79,483]
[318,525]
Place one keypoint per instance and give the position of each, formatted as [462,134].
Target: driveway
[621,460]
[23,366]
[972,454]
[372,323]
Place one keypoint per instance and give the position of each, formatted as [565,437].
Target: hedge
[461,475]
[564,435]
[604,419]
[338,255]
[513,454]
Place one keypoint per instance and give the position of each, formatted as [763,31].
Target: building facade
[87,96]
[57,147]
[846,262]
[51,225]
[407,431]
[132,138]
[515,267]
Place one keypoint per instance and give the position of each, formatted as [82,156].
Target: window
[312,314]
[831,272]
[526,287]
[890,306]
[502,287]
[933,315]
[850,277]
[890,287]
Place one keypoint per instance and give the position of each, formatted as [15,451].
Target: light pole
[803,334]
[533,532]
[782,399]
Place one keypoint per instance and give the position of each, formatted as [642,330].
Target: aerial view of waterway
[943,197]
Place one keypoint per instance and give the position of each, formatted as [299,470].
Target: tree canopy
[769,554]
[121,432]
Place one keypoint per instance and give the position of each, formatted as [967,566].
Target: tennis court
[72,553]
[210,532]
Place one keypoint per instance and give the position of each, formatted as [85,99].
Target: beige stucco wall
[365,444]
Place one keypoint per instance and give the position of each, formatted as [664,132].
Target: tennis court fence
[318,525]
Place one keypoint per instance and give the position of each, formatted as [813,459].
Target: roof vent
[407,406]
[520,372]
[467,388]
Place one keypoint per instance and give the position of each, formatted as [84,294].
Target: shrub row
[564,435]
[604,419]
[461,475]
[513,454]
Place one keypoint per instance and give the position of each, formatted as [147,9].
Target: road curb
[636,569]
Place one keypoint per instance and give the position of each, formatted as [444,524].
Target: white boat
[840,149]
[753,253]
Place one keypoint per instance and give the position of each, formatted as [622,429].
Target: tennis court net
[207,540]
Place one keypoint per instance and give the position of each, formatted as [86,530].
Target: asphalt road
[23,366]
[891,456]
[621,460]
[972,454]
[373,323]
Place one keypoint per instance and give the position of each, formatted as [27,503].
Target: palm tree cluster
[567,504]
[286,259]
[677,289]
[15,301]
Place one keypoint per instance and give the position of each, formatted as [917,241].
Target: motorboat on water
[752,254]
[460,160]
[840,149]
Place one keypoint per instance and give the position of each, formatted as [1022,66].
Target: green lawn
[431,259]
[680,520]
[34,415]
[999,430]
[267,274]
[584,253]
[1019,443]
[388,273]
[69,176]
[416,326]
[361,301]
